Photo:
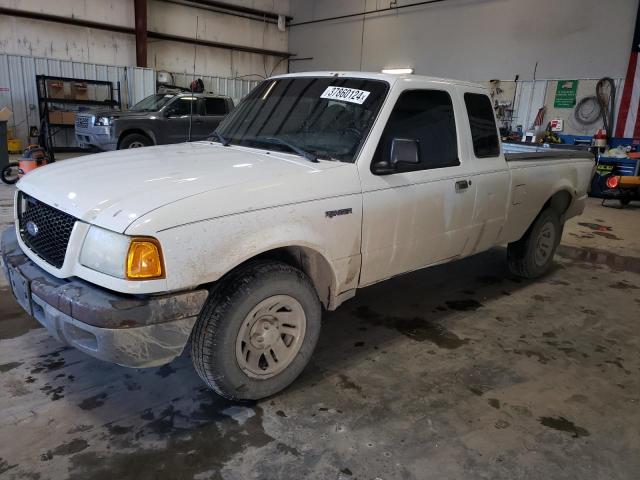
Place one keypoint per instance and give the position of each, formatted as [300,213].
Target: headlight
[103,121]
[133,258]
[105,251]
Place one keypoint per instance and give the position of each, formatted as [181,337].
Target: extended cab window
[182,106]
[426,116]
[215,106]
[483,125]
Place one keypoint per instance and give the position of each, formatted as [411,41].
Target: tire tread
[519,253]
[221,298]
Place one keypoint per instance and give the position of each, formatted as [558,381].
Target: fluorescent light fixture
[397,71]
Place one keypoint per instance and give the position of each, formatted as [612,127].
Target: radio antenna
[193,79]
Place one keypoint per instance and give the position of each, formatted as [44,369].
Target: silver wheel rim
[545,243]
[270,336]
[136,145]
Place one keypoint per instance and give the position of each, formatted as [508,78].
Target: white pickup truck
[316,185]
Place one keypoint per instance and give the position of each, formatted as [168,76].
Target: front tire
[532,255]
[257,331]
[134,140]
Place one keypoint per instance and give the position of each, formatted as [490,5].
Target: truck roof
[199,94]
[391,78]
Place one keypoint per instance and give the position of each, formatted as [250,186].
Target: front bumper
[127,330]
[99,137]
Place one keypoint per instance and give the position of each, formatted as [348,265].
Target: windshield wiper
[294,148]
[221,139]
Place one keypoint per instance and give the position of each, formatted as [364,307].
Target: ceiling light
[397,71]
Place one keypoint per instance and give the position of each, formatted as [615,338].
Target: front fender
[202,252]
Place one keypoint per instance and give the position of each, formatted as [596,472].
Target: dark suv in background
[158,119]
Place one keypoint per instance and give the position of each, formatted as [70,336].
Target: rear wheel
[257,331]
[135,140]
[9,174]
[531,256]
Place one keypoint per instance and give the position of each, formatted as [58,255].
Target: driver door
[176,124]
[211,111]
[418,214]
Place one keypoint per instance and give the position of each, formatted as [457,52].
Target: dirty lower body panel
[123,329]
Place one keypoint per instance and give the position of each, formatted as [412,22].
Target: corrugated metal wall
[18,87]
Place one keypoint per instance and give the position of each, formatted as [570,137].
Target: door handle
[462,185]
[198,121]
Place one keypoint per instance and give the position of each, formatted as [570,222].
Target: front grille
[44,229]
[82,121]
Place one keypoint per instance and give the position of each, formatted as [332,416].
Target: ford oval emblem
[32,228]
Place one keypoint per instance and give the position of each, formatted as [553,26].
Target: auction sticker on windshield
[345,94]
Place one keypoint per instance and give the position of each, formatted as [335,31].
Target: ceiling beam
[231,9]
[131,31]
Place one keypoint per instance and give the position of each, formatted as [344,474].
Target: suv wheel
[135,140]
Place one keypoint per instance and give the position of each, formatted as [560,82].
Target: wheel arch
[138,131]
[309,260]
[559,201]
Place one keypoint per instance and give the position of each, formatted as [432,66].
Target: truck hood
[122,114]
[113,189]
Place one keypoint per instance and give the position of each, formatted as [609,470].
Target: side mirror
[404,151]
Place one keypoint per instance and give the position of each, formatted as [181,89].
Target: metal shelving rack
[48,129]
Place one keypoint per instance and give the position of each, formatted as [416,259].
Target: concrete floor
[460,371]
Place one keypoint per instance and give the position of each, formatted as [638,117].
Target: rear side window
[426,116]
[215,106]
[483,125]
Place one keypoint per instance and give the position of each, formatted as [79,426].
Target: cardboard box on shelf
[68,118]
[55,116]
[79,91]
[55,89]
[5,114]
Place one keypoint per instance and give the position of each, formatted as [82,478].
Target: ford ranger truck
[316,185]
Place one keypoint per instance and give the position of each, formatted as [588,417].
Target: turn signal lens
[144,260]
[613,181]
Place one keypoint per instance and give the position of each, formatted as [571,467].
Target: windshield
[152,103]
[328,117]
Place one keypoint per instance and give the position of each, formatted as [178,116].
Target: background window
[426,116]
[215,106]
[483,125]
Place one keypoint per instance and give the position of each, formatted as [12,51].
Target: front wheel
[9,174]
[135,140]
[531,256]
[257,331]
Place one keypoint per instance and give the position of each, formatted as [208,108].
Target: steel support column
[140,12]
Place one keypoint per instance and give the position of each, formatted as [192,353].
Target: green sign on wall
[566,94]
